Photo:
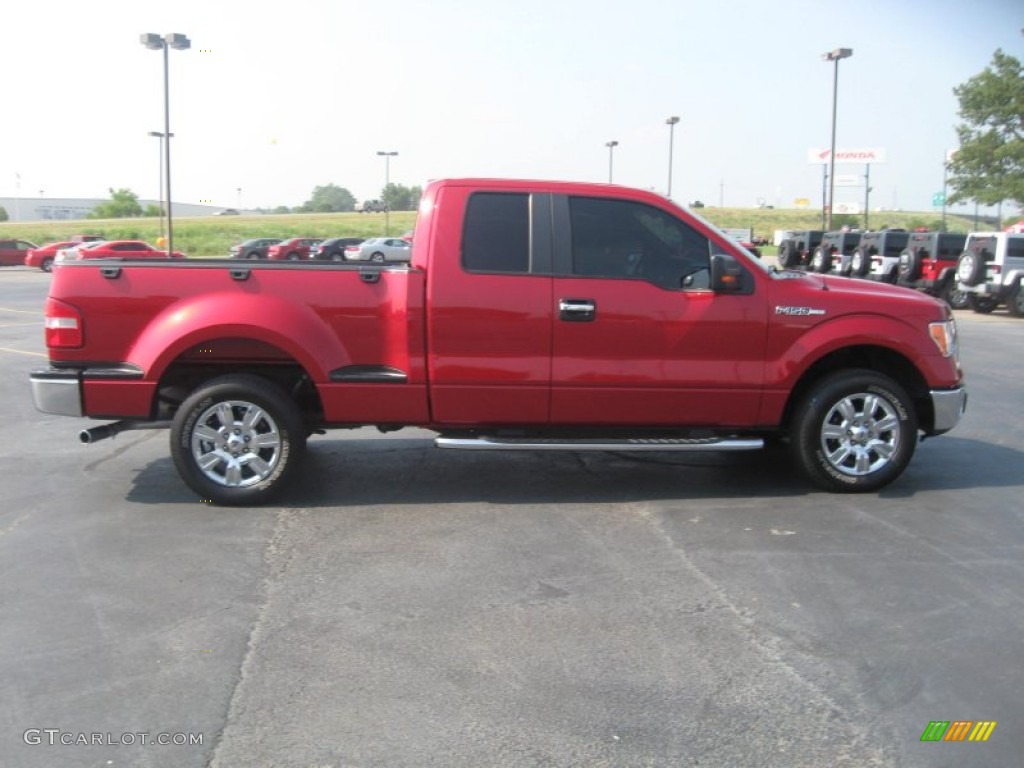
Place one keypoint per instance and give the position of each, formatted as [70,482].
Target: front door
[639,338]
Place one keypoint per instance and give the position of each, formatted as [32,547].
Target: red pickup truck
[533,315]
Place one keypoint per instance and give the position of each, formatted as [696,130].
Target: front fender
[292,327]
[857,330]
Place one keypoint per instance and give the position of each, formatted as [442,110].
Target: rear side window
[496,233]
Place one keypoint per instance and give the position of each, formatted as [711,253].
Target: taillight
[63,325]
[352,248]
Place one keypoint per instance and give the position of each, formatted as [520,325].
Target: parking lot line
[23,352]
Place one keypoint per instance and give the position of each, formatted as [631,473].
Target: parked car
[380,249]
[928,264]
[227,212]
[371,206]
[835,252]
[13,252]
[115,249]
[295,249]
[334,248]
[254,248]
[991,271]
[878,253]
[795,251]
[43,256]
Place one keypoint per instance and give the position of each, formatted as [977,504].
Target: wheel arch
[877,358]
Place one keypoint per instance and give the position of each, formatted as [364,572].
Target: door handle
[577,310]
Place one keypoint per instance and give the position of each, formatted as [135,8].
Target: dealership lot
[417,607]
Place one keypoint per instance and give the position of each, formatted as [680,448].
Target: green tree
[3,214]
[123,204]
[989,165]
[329,199]
[399,198]
[153,211]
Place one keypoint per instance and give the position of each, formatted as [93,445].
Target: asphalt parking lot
[415,607]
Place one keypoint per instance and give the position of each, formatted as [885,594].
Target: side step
[611,444]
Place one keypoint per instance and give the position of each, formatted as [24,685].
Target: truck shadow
[361,472]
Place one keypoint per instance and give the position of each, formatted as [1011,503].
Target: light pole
[178,42]
[160,163]
[671,123]
[611,149]
[387,182]
[835,56]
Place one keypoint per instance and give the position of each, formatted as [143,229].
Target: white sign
[847,180]
[863,156]
[847,208]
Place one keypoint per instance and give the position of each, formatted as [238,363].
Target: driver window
[627,240]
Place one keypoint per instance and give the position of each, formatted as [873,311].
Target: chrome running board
[613,444]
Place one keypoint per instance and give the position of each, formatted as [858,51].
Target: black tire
[821,261]
[860,263]
[293,256]
[953,295]
[47,265]
[854,432]
[1015,301]
[336,256]
[970,269]
[788,256]
[983,305]
[377,256]
[215,458]
[910,266]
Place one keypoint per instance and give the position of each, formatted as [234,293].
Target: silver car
[380,249]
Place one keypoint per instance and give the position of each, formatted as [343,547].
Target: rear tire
[952,295]
[788,256]
[854,432]
[237,440]
[378,257]
[983,305]
[821,261]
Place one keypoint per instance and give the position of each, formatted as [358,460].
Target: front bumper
[948,406]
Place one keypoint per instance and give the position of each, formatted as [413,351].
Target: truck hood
[864,295]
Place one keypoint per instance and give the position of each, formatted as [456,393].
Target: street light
[671,123]
[178,42]
[160,163]
[611,148]
[387,182]
[836,55]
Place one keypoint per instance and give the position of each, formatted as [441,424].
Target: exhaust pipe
[102,432]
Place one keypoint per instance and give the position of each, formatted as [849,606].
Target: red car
[43,256]
[12,252]
[115,249]
[295,249]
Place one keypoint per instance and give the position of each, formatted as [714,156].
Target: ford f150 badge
[798,311]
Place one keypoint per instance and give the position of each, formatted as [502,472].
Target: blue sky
[276,98]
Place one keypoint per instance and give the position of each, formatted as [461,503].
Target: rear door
[490,307]
[639,338]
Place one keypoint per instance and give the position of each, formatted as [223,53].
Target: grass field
[212,235]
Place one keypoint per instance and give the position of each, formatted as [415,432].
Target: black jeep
[836,248]
[878,253]
[795,250]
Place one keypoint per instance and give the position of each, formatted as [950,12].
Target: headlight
[945,338]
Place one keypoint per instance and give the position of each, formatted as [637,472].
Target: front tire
[1015,301]
[854,432]
[237,440]
[47,265]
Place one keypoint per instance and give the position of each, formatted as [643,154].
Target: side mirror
[728,275]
